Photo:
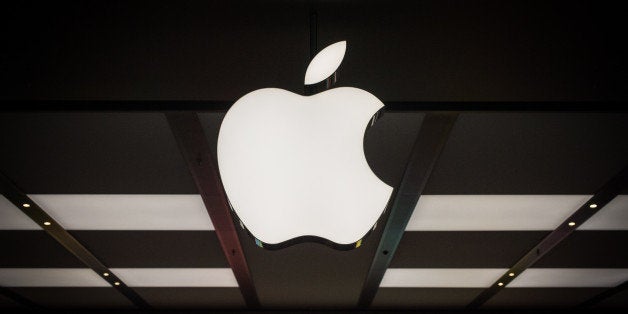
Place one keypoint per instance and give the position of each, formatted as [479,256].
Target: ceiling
[398,50]
[118,182]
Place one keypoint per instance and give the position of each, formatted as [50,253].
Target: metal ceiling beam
[190,136]
[602,197]
[15,297]
[604,295]
[57,232]
[428,146]
[223,106]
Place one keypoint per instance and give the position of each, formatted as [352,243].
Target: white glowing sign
[294,165]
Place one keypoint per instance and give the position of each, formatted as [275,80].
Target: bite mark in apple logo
[293,166]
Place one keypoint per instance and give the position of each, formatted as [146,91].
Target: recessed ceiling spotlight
[500,284]
[106,274]
[117,283]
[46,223]
[511,274]
[26,205]
[593,206]
[571,223]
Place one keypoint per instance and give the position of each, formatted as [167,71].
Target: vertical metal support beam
[602,197]
[313,34]
[190,136]
[331,80]
[57,232]
[311,89]
[428,146]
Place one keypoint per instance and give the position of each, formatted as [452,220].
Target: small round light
[593,206]
[571,224]
[106,274]
[500,284]
[26,205]
[511,274]
[117,283]
[46,223]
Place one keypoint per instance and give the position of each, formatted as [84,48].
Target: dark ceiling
[400,51]
[419,51]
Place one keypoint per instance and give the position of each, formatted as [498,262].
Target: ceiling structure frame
[189,134]
[604,295]
[19,299]
[427,147]
[601,198]
[63,237]
[596,299]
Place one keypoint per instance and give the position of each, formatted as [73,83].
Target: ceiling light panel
[177,277]
[50,277]
[126,212]
[570,277]
[441,277]
[493,212]
[12,218]
[613,216]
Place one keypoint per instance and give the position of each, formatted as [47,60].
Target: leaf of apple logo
[325,63]
[293,166]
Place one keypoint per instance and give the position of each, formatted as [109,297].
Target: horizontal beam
[223,106]
[601,198]
[57,232]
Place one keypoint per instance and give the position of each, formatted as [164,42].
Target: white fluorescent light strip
[12,218]
[441,277]
[394,277]
[433,212]
[126,211]
[493,212]
[613,216]
[176,277]
[570,278]
[50,277]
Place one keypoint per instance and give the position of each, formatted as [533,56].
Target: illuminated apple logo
[293,166]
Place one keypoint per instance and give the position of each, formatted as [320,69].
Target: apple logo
[293,166]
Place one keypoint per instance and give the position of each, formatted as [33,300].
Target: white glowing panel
[613,216]
[50,277]
[126,211]
[294,165]
[176,277]
[440,277]
[493,212]
[570,277]
[325,63]
[12,218]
